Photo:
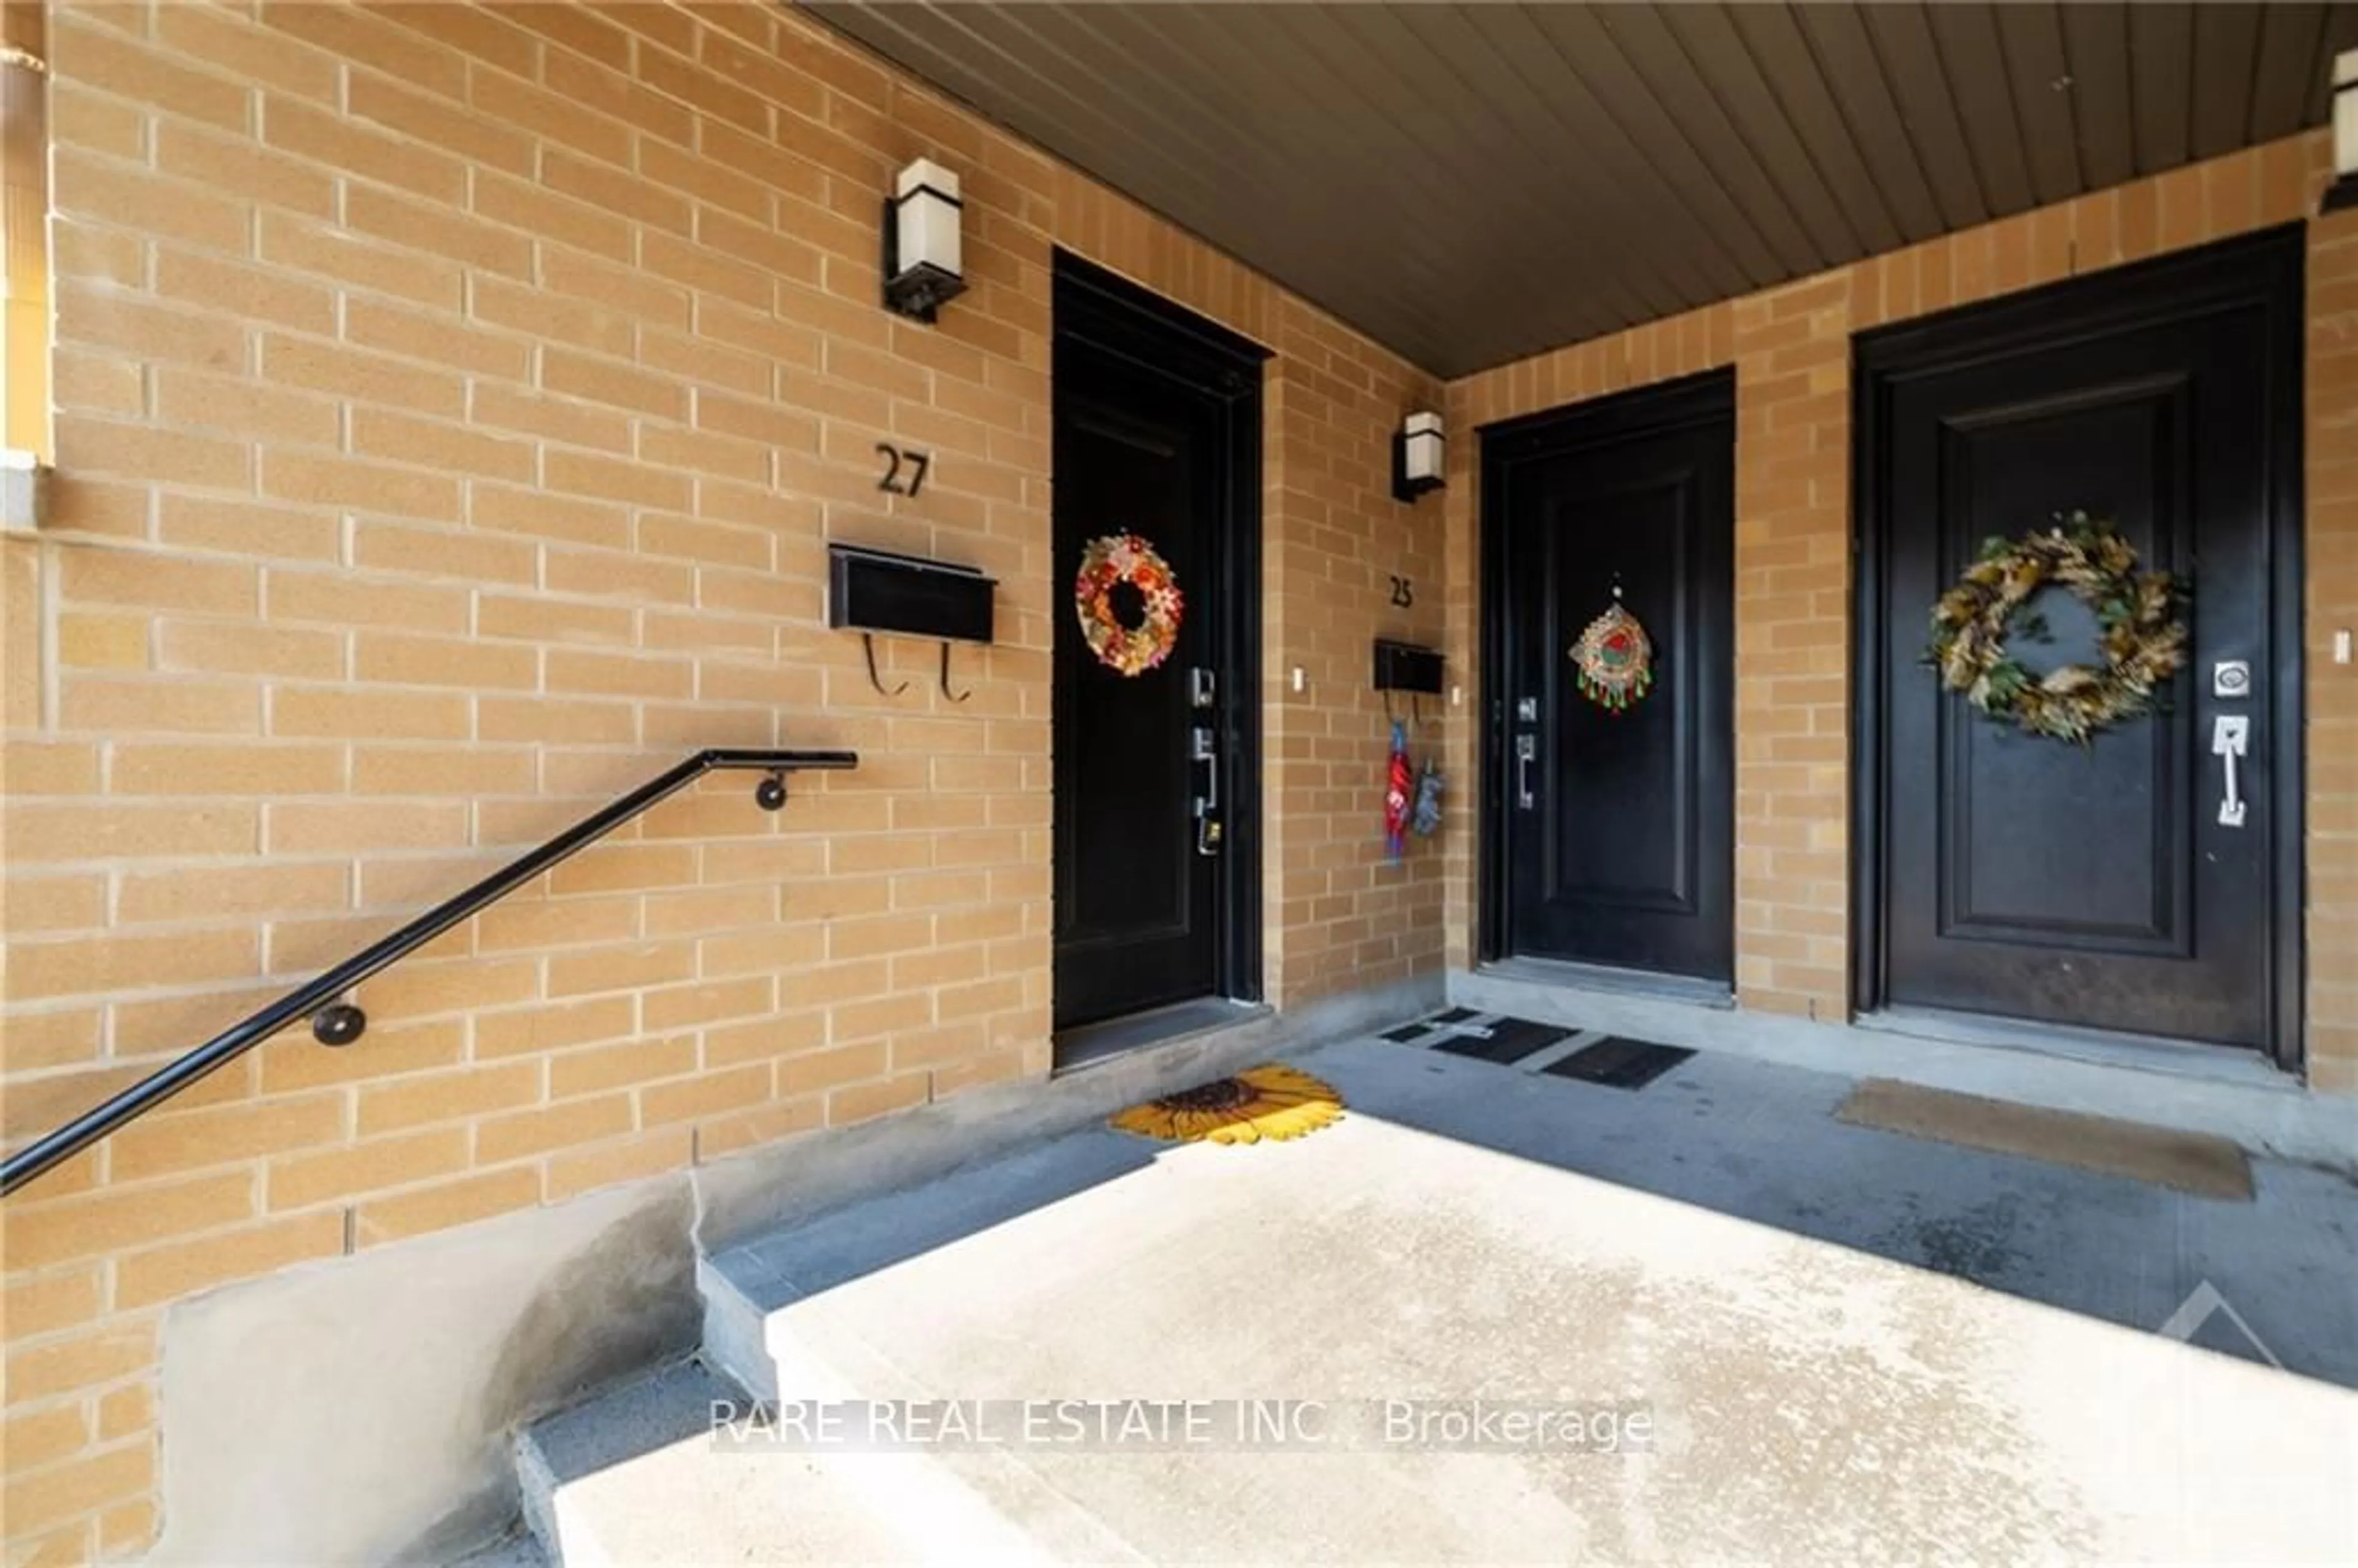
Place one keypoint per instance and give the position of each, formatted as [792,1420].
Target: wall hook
[953,696]
[868,640]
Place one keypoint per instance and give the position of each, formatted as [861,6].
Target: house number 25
[1403,595]
[894,457]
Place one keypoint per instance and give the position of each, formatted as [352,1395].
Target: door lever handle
[1203,747]
[2230,738]
[1527,747]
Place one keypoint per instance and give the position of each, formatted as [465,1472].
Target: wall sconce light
[923,268]
[2343,191]
[1417,456]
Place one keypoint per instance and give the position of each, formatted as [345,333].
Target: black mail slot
[908,596]
[1405,666]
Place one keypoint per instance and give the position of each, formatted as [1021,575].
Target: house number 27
[894,458]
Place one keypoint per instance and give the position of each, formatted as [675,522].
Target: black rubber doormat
[1508,1040]
[1619,1064]
[1412,1032]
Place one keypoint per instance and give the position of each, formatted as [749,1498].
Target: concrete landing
[1761,1335]
[1849,1344]
[2207,1089]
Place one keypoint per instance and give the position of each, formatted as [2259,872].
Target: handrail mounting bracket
[339,1023]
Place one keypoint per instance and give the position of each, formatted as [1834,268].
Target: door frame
[1114,316]
[1597,421]
[2265,269]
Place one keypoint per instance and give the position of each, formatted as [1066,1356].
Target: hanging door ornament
[1117,560]
[1615,657]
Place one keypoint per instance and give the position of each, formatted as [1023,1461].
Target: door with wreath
[1611,529]
[2078,662]
[1155,723]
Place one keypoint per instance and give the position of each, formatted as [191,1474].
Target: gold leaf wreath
[2140,633]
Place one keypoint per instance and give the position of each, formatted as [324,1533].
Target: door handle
[1527,747]
[1204,747]
[2230,738]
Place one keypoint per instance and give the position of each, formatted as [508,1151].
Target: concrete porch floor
[1851,1345]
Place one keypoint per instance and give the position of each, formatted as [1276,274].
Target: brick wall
[454,405]
[1342,918]
[2333,562]
[1790,349]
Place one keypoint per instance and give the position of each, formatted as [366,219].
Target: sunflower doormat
[1268,1101]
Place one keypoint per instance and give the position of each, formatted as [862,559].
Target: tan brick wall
[1343,918]
[2333,562]
[1791,348]
[455,402]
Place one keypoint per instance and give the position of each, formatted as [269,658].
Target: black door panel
[2091,885]
[2102,860]
[1616,829]
[1134,899]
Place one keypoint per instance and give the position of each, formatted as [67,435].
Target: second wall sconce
[2343,191]
[1417,452]
[923,262]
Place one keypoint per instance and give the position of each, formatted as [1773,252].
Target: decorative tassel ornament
[1615,659]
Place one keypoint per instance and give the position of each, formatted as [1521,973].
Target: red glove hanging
[1396,790]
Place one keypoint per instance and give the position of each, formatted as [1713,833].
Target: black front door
[1155,467]
[1613,826]
[2106,885]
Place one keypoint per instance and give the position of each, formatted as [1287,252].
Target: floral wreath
[1105,563]
[2141,635]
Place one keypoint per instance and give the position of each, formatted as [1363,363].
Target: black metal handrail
[335,1023]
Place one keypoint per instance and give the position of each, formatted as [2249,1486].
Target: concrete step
[521,1550]
[635,1477]
[1843,1343]
[1773,1292]
[1106,1268]
[781,1316]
